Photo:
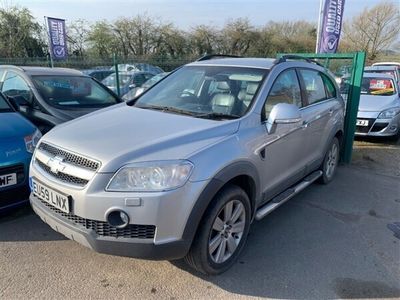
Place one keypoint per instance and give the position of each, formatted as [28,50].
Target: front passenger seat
[223,101]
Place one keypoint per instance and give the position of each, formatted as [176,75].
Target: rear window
[73,91]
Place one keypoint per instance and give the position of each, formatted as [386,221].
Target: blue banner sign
[331,28]
[58,38]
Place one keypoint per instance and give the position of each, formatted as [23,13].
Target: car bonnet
[124,134]
[378,103]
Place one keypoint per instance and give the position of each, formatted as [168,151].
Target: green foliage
[19,34]
[373,30]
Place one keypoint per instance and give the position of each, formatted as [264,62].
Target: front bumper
[13,198]
[377,127]
[157,220]
[108,245]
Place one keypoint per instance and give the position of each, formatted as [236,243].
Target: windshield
[110,81]
[73,91]
[4,107]
[206,91]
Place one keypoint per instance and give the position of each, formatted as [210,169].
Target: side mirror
[283,113]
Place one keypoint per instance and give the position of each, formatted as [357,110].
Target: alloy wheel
[332,160]
[227,231]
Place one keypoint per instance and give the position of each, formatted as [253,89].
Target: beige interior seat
[223,101]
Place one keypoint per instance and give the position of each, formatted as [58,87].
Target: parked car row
[133,93]
[128,80]
[131,78]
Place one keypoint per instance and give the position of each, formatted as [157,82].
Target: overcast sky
[186,13]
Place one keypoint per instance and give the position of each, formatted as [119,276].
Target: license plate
[362,123]
[49,195]
[8,179]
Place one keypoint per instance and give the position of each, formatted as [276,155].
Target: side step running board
[286,195]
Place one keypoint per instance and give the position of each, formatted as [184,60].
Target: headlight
[32,140]
[389,113]
[151,176]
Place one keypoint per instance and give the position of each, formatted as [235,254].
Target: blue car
[18,139]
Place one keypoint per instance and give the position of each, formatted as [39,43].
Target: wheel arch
[339,135]
[242,174]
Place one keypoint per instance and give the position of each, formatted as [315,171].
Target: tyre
[330,162]
[222,232]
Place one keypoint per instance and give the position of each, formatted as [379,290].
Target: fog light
[118,219]
[124,217]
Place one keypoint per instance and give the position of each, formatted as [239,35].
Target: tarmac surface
[341,240]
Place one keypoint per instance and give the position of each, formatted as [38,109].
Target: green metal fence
[350,65]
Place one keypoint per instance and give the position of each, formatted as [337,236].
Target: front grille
[105,229]
[379,126]
[365,129]
[61,176]
[70,157]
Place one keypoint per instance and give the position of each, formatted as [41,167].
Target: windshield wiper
[215,115]
[169,109]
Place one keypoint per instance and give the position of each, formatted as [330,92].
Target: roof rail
[284,58]
[213,56]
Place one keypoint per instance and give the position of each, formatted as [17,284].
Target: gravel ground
[378,155]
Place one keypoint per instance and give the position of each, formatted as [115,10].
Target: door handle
[331,111]
[304,124]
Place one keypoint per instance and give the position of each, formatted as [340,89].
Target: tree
[102,40]
[203,39]
[170,41]
[19,34]
[77,37]
[374,30]
[136,35]
[237,36]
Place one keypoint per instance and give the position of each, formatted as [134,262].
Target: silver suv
[184,169]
